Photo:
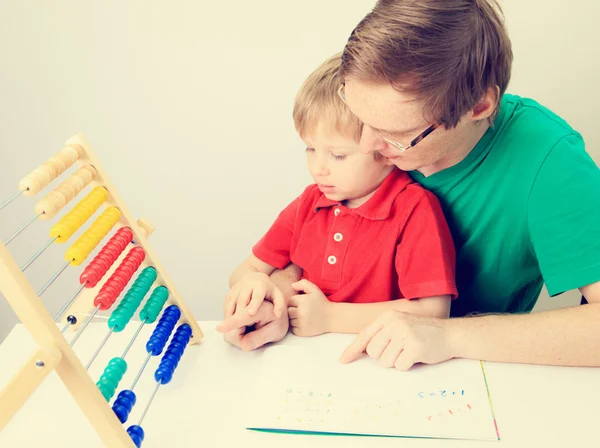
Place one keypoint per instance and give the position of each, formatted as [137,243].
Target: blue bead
[137,430]
[129,395]
[121,411]
[135,439]
[174,351]
[174,310]
[163,376]
[167,363]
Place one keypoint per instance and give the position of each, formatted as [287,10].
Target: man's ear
[486,106]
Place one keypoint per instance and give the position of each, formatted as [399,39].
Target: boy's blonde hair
[318,102]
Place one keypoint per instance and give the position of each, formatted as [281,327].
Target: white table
[535,406]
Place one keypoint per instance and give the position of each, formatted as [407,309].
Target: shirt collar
[379,205]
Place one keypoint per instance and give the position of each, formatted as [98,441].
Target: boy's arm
[270,252]
[354,317]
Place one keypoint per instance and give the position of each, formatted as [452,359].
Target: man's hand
[309,312]
[401,340]
[268,327]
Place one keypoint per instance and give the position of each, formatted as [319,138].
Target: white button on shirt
[338,237]
[336,212]
[331,259]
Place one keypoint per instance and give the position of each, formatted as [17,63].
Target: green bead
[118,363]
[124,311]
[154,304]
[106,391]
[113,374]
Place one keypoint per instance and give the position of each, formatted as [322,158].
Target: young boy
[367,237]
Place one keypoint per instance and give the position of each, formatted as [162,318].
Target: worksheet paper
[302,390]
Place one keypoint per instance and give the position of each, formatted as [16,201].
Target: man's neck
[461,147]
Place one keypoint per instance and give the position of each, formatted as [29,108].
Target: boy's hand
[250,292]
[309,312]
[267,329]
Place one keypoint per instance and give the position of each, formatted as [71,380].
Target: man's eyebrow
[406,131]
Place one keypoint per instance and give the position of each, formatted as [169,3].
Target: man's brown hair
[450,52]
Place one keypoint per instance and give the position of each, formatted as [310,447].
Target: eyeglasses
[396,144]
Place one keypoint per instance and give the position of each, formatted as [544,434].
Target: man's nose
[370,141]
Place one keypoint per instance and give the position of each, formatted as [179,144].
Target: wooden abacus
[104,278]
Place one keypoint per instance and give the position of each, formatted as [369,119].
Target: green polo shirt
[524,210]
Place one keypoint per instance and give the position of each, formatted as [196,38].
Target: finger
[378,344]
[258,295]
[360,343]
[293,312]
[294,322]
[390,354]
[294,301]
[230,303]
[236,321]
[278,302]
[305,286]
[243,299]
[258,338]
[234,337]
[405,360]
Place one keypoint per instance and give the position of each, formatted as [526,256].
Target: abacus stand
[141,230]
[54,352]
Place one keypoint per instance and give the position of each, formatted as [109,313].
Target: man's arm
[250,265]
[283,279]
[567,337]
[353,317]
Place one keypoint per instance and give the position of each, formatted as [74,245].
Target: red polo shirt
[396,245]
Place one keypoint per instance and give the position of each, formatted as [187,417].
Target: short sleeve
[274,247]
[564,217]
[425,256]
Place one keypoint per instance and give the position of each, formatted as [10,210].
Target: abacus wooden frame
[54,352]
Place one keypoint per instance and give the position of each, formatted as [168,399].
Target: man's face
[391,114]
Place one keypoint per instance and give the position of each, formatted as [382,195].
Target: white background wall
[188,105]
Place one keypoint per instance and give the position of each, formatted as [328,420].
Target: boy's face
[341,170]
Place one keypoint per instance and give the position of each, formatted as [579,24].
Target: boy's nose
[370,141]
[320,167]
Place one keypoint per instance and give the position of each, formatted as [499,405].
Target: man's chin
[403,164]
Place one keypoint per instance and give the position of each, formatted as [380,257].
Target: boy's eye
[338,156]
[310,149]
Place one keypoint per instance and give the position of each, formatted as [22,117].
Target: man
[521,195]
